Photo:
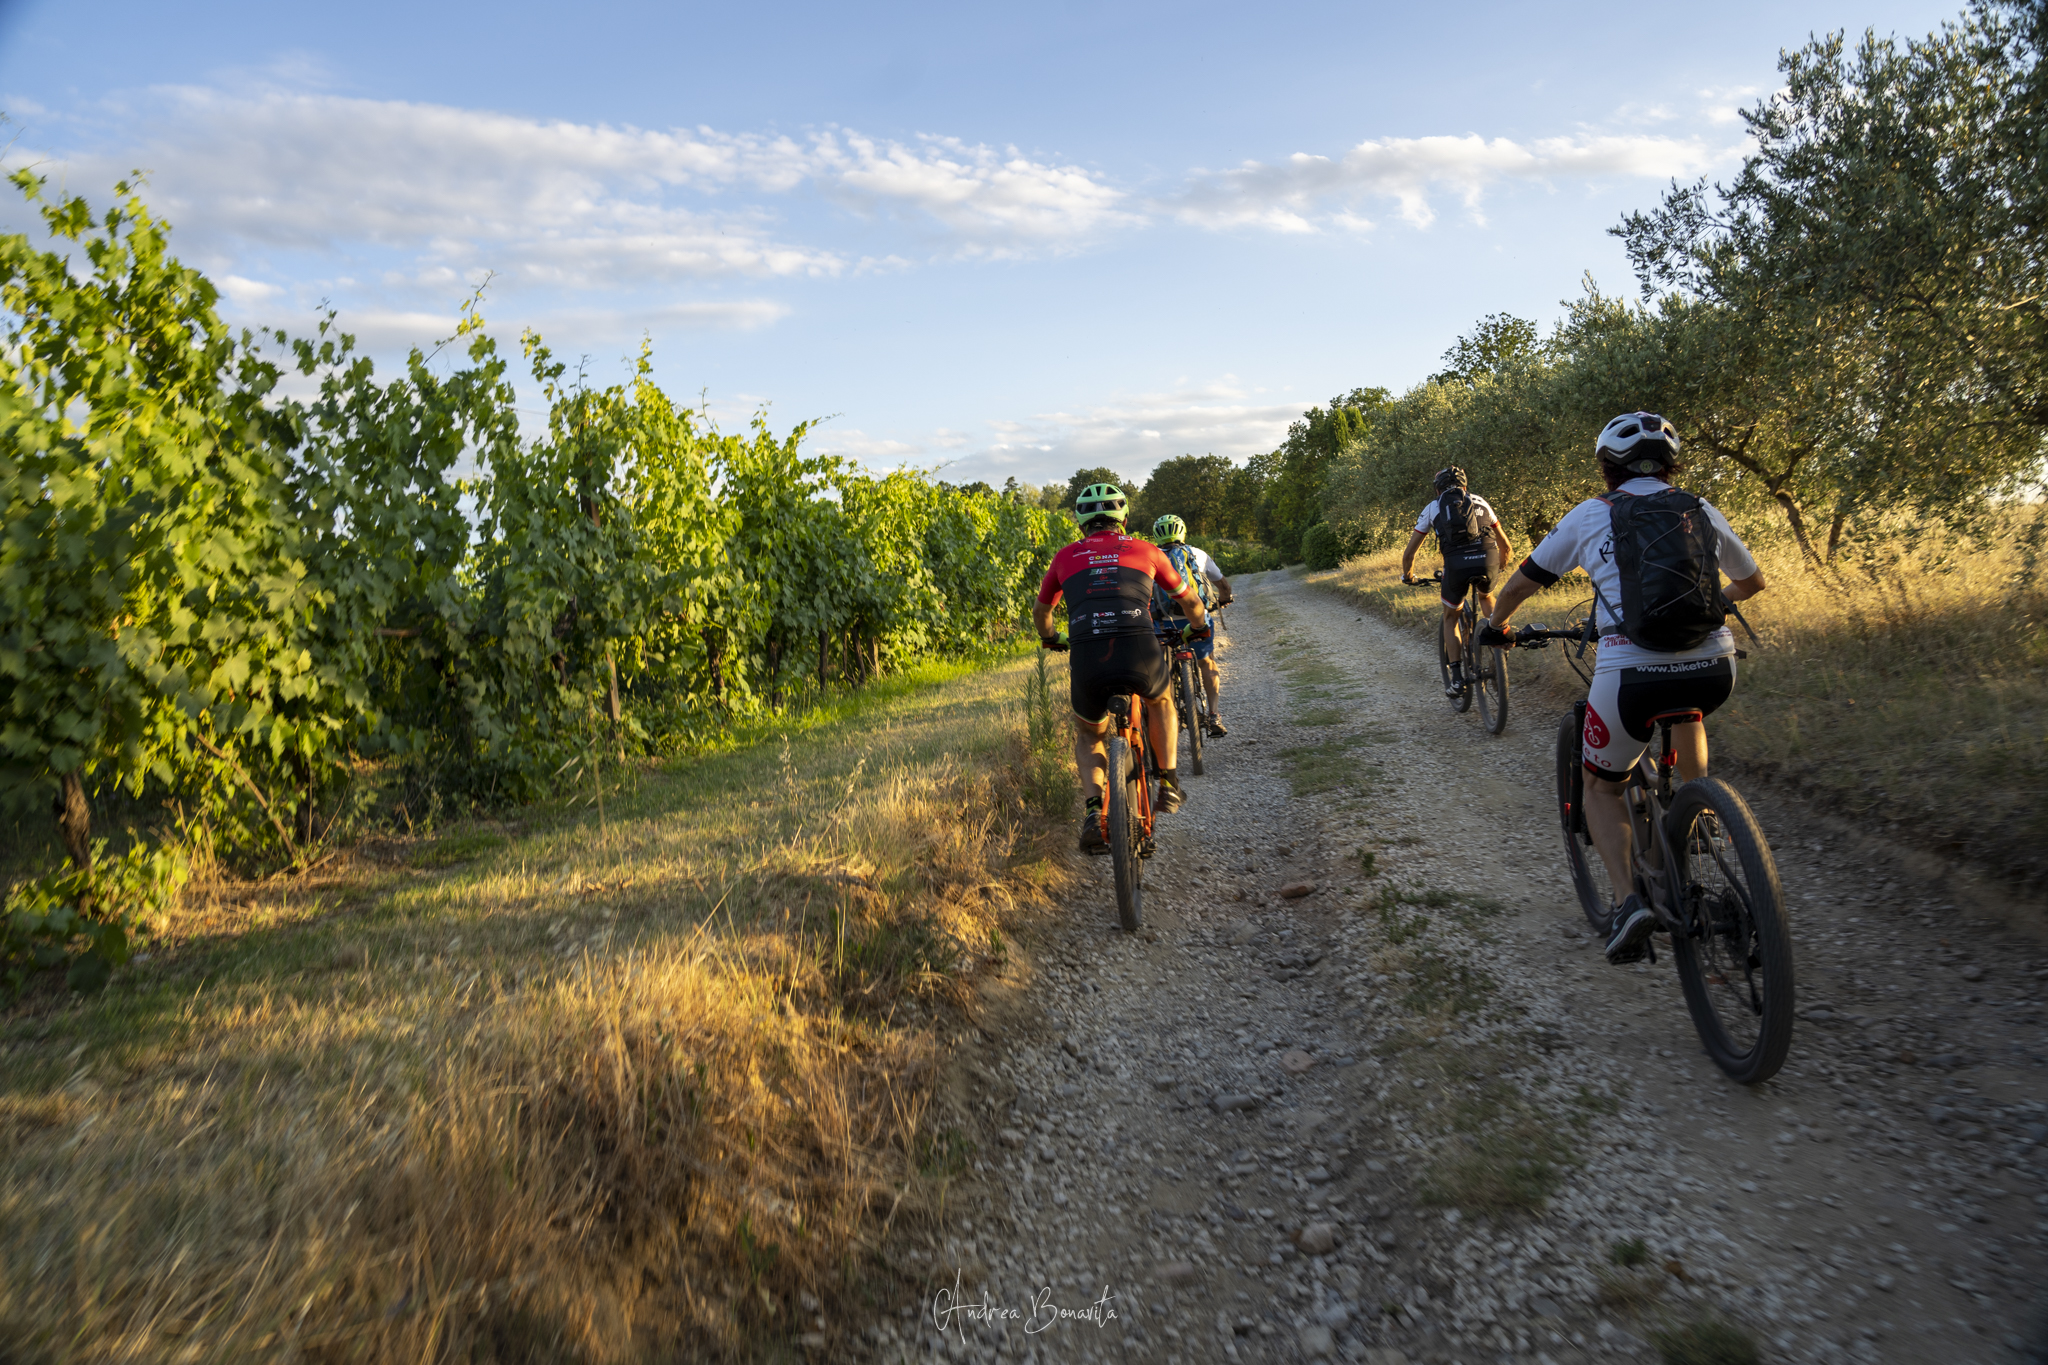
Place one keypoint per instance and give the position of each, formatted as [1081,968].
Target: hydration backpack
[1182,558]
[1459,533]
[1670,561]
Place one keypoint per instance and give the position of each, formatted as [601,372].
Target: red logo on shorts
[1596,730]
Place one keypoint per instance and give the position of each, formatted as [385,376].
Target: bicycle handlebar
[1538,636]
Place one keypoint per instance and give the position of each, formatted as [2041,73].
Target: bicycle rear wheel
[1126,834]
[1735,949]
[1492,687]
[1589,873]
[1185,684]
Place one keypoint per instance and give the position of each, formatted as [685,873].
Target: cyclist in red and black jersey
[1107,579]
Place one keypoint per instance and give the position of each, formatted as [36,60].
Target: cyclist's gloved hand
[1493,636]
[1198,632]
[1052,642]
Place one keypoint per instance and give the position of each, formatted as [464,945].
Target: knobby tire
[1125,833]
[1190,717]
[1735,954]
[1493,689]
[1589,874]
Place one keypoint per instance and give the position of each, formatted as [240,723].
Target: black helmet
[1447,479]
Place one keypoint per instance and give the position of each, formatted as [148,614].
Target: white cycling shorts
[1623,703]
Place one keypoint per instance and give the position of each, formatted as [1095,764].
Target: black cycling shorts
[1460,574]
[1101,668]
[1621,702]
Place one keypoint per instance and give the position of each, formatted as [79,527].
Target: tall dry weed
[693,1146]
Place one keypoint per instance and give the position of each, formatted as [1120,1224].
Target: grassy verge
[646,1078]
[1908,691]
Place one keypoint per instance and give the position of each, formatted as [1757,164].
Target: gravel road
[1413,1115]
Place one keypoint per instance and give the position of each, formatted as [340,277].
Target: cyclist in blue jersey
[1198,571]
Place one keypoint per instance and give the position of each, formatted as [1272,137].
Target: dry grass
[660,1087]
[1908,689]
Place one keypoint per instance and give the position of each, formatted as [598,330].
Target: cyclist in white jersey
[1474,548]
[1638,454]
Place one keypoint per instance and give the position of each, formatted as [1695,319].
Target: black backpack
[1458,532]
[1670,560]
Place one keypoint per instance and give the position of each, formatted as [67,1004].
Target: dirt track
[1411,1115]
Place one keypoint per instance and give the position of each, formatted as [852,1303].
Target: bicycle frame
[1648,795]
[1128,709]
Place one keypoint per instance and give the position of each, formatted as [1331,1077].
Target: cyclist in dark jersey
[1474,547]
[1106,578]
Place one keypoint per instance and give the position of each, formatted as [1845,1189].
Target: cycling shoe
[1091,829]
[1216,730]
[1629,935]
[1169,797]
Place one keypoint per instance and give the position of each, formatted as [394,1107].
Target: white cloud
[558,204]
[1133,433]
[248,292]
[991,200]
[444,194]
[1304,192]
[875,452]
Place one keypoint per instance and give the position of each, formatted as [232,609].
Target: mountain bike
[1706,872]
[1190,701]
[1486,669]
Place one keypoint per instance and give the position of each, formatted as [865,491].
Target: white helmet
[1640,442]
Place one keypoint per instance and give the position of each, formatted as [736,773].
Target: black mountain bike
[1486,668]
[1189,700]
[1705,870]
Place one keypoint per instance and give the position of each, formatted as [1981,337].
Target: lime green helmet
[1104,500]
[1168,529]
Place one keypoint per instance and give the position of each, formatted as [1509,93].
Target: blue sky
[1009,240]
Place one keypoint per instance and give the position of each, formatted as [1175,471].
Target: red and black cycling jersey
[1107,580]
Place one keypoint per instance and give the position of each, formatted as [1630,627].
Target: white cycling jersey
[1584,539]
[1426,523]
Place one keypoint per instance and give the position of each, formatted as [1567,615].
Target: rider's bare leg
[1689,742]
[1162,732]
[1454,648]
[1607,822]
[1212,683]
[1091,756]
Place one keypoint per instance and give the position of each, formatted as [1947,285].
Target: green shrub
[89,922]
[1319,547]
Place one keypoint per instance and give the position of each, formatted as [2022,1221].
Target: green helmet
[1102,500]
[1168,529]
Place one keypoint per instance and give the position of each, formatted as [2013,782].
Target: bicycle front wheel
[1589,873]
[1492,687]
[1185,683]
[1734,946]
[1126,834]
